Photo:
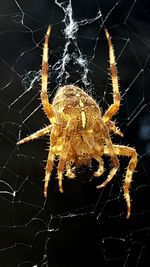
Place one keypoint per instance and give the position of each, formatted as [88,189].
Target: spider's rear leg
[112,172]
[69,172]
[111,153]
[100,170]
[61,166]
[35,135]
[129,152]
[60,170]
[48,169]
[112,128]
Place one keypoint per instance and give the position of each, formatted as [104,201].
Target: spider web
[83,226]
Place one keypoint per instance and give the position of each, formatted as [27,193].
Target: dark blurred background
[83,226]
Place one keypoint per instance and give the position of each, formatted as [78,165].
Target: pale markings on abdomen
[83,116]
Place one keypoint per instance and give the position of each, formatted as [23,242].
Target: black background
[83,226]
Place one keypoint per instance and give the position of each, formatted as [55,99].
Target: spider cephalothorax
[79,132]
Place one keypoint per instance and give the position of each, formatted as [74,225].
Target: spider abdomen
[71,102]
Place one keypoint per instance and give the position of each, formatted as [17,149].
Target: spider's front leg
[113,109]
[44,95]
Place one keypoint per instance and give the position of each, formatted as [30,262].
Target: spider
[79,132]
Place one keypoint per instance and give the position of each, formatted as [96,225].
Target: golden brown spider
[79,132]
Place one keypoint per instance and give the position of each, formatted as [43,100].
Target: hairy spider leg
[62,164]
[54,150]
[112,127]
[112,110]
[100,170]
[60,170]
[69,172]
[35,135]
[49,167]
[128,152]
[54,147]
[112,154]
[44,96]
[70,128]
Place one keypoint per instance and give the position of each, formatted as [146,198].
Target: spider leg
[129,152]
[48,169]
[71,126]
[69,172]
[112,127]
[112,172]
[114,159]
[60,170]
[54,150]
[44,96]
[112,110]
[100,170]
[35,135]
